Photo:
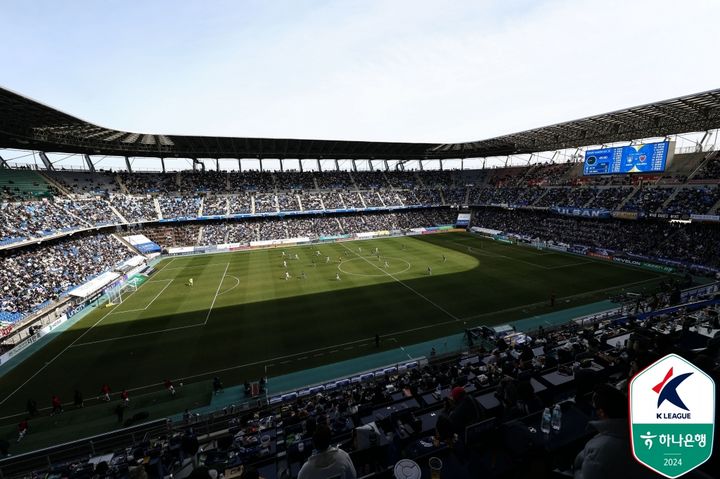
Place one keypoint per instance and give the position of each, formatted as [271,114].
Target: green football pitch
[242,319]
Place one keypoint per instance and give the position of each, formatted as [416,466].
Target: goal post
[117,294]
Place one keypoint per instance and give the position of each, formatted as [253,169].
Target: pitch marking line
[346,348]
[151,302]
[147,333]
[490,254]
[440,308]
[237,283]
[227,265]
[265,361]
[530,305]
[117,338]
[41,369]
[570,265]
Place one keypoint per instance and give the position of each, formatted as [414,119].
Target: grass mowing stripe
[440,308]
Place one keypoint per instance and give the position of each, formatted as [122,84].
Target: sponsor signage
[584,212]
[672,416]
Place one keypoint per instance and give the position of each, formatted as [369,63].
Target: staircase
[545,192]
[157,208]
[55,184]
[126,243]
[669,199]
[114,210]
[715,209]
[120,182]
[352,180]
[708,157]
[589,202]
[627,198]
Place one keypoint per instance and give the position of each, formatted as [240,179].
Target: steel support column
[89,163]
[46,161]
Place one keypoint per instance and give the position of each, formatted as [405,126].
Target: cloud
[372,70]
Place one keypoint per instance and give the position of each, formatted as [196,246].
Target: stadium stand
[692,243]
[215,205]
[34,275]
[135,208]
[479,410]
[332,180]
[20,184]
[240,203]
[59,229]
[86,183]
[179,206]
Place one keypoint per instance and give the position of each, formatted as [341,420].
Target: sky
[396,70]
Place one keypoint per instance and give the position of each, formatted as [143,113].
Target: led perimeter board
[648,158]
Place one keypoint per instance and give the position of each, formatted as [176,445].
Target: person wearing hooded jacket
[608,454]
[327,462]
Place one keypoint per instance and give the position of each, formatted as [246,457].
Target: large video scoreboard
[648,158]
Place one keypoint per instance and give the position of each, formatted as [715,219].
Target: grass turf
[242,319]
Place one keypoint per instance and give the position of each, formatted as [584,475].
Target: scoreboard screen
[649,158]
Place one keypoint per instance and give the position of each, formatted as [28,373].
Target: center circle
[376,267]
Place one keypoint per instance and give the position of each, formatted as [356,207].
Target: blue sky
[371,70]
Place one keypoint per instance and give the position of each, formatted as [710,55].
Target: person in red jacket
[56,405]
[105,393]
[125,397]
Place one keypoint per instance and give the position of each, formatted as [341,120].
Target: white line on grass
[538,303]
[492,254]
[170,280]
[130,336]
[227,265]
[147,333]
[266,361]
[570,265]
[440,308]
[286,357]
[237,283]
[61,352]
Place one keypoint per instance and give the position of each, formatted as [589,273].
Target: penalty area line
[170,280]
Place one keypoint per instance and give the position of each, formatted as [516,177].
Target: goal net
[117,294]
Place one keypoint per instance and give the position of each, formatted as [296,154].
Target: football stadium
[240,306]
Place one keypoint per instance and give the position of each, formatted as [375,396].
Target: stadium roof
[30,125]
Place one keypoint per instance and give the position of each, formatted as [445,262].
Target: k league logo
[672,416]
